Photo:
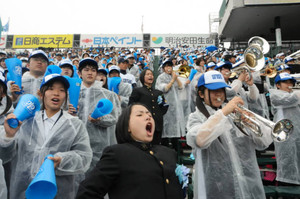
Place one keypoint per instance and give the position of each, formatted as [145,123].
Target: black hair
[142,75]
[122,126]
[47,86]
[227,57]
[8,99]
[198,61]
[68,66]
[200,103]
[80,68]
[279,82]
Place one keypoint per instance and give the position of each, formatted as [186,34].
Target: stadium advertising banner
[108,40]
[45,41]
[262,2]
[3,41]
[176,40]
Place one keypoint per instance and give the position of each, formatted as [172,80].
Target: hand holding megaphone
[103,107]
[26,108]
[43,184]
[11,132]
[14,66]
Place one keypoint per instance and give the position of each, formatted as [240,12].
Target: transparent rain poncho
[225,164]
[125,91]
[174,118]
[185,97]
[260,106]
[286,106]
[27,150]
[30,85]
[102,133]
[250,96]
[3,188]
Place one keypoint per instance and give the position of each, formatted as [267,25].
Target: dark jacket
[133,171]
[149,97]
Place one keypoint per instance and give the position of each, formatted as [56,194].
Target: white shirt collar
[53,118]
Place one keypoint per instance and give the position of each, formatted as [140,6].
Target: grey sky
[114,16]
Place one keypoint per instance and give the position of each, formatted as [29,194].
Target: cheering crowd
[129,153]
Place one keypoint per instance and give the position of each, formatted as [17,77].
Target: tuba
[253,56]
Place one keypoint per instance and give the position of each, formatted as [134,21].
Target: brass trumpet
[183,71]
[281,130]
[269,72]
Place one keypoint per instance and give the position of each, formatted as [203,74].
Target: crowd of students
[148,114]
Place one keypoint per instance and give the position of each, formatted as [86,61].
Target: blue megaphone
[43,184]
[14,66]
[192,74]
[191,61]
[75,74]
[103,107]
[26,108]
[52,69]
[74,90]
[113,84]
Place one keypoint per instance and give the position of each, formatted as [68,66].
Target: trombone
[281,130]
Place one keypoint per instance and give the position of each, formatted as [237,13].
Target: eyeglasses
[39,59]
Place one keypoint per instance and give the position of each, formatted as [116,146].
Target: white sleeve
[236,85]
[253,92]
[202,132]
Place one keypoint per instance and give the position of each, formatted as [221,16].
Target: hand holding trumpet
[232,105]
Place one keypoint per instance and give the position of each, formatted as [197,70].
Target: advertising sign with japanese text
[3,41]
[45,41]
[176,40]
[108,40]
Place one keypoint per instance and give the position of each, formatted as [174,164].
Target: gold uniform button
[153,107]
[161,162]
[167,181]
[153,113]
[151,152]
[152,100]
[151,94]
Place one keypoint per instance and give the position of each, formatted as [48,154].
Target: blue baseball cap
[283,77]
[212,80]
[283,67]
[87,61]
[288,59]
[53,77]
[38,53]
[225,64]
[65,62]
[211,64]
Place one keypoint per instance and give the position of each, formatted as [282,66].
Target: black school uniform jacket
[149,97]
[133,171]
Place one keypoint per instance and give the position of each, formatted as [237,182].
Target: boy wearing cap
[124,89]
[126,77]
[101,130]
[237,88]
[132,68]
[174,122]
[285,104]
[50,131]
[32,79]
[66,67]
[58,58]
[226,165]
